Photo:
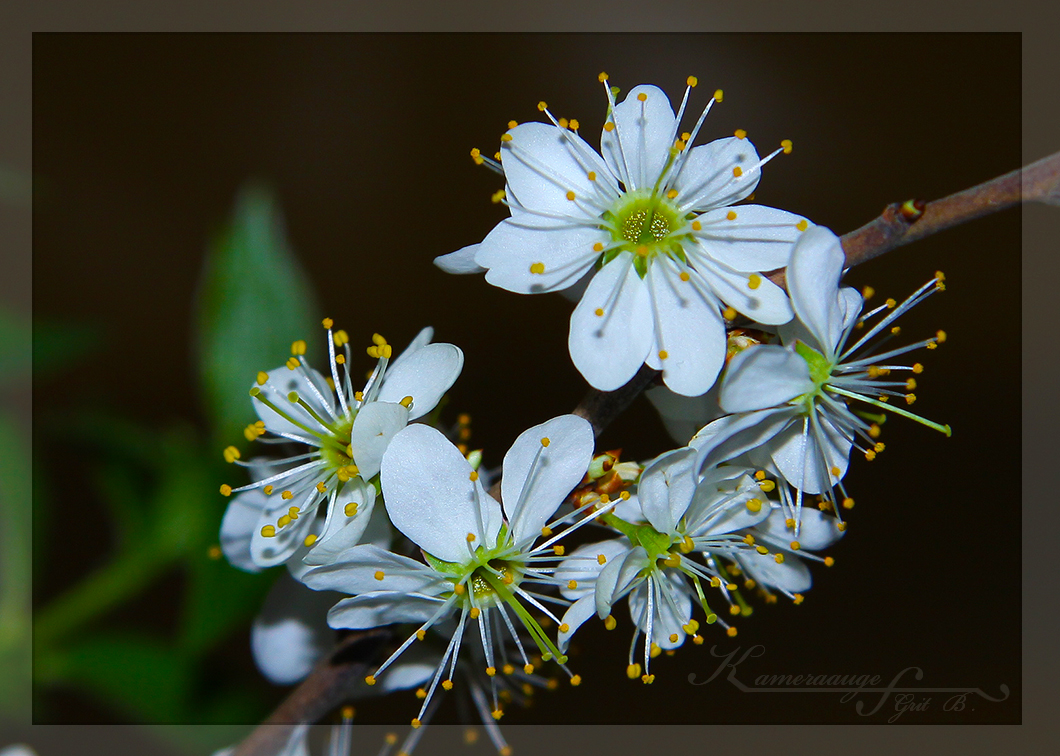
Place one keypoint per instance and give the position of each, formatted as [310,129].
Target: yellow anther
[231,454]
[497,155]
[574,126]
[654,650]
[940,336]
[459,589]
[310,540]
[507,580]
[642,97]
[528,668]
[576,680]
[633,671]
[754,281]
[263,378]
[546,531]
[624,496]
[559,549]
[761,550]
[421,634]
[672,194]
[610,623]
[406,402]
[918,368]
[754,505]
[692,81]
[609,127]
[697,639]
[327,322]
[379,574]
[719,95]
[287,495]
[749,584]
[737,171]
[542,106]
[506,137]
[537,268]
[890,302]
[268,531]
[734,610]
[599,312]
[730,587]
[415,723]
[267,490]
[350,509]
[214,552]
[687,545]
[802,225]
[391,738]
[715,582]
[828,561]
[601,558]
[369,680]
[731,215]
[602,77]
[298,347]
[835,471]
[778,558]
[896,330]
[672,561]
[226,490]
[740,134]
[731,632]
[447,684]
[321,487]
[798,598]
[508,669]
[491,671]
[340,338]
[571,196]
[421,693]
[605,499]
[870,455]
[284,521]
[848,503]
[697,226]
[910,384]
[789,523]
[691,627]
[786,144]
[598,247]
[512,124]
[293,513]
[663,354]
[749,539]
[880,446]
[564,627]
[910,398]
[546,441]
[767,485]
[684,276]
[474,477]
[795,545]
[760,475]
[498,196]
[470,537]
[293,363]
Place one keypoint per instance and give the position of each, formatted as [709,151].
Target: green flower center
[336,454]
[644,223]
[820,371]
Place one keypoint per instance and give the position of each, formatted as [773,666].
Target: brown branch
[329,683]
[901,223]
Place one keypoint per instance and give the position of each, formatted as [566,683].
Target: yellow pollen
[655,650]
[767,485]
[642,97]
[537,268]
[564,627]
[778,558]
[512,124]
[754,505]
[421,693]
[542,106]
[598,247]
[890,303]
[545,441]
[697,226]
[406,402]
[684,275]
[624,496]
[609,127]
[370,680]
[731,632]
[798,598]
[268,531]
[789,524]
[340,337]
[327,322]
[528,668]
[379,574]
[506,137]
[754,281]
[350,509]
[498,196]
[226,490]
[459,589]
[263,378]
[298,347]
[941,336]
[880,446]
[605,499]
[571,196]
[602,77]
[719,95]
[737,171]
[287,495]
[760,475]
[574,126]
[508,669]
[715,582]
[497,155]
[415,723]
[268,490]
[293,363]
[672,194]
[740,134]
[848,503]
[761,550]
[896,330]
[321,487]
[749,539]
[576,680]
[828,561]
[340,359]
[633,671]
[697,639]
[559,549]
[601,558]
[910,384]
[310,540]
[835,471]
[470,537]
[592,177]
[293,513]
[673,637]
[610,623]
[546,531]
[231,454]
[474,477]
[802,225]
[599,312]
[491,671]
[910,398]
[421,634]
[692,81]
[663,354]
[447,684]
[870,455]
[734,610]
[731,215]
[786,144]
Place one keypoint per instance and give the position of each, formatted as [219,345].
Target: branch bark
[900,223]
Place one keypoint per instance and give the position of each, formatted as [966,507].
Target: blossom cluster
[384,513]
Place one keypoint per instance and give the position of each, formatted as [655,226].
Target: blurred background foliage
[149,330]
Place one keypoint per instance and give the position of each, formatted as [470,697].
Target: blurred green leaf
[14,571]
[15,346]
[135,672]
[219,599]
[254,301]
[56,345]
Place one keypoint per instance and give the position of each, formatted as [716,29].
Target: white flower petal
[813,283]
[425,375]
[667,622]
[282,381]
[617,576]
[530,258]
[638,147]
[430,496]
[237,527]
[342,531]
[666,488]
[630,510]
[684,415]
[759,238]
[688,329]
[537,478]
[575,616]
[766,303]
[717,508]
[608,349]
[291,633]
[542,163]
[382,608]
[816,530]
[358,570]
[850,304]
[764,375]
[268,552]
[792,575]
[807,464]
[460,262]
[373,428]
[733,435]
[583,566]
[707,180]
[422,339]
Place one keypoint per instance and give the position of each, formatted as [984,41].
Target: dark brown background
[141,142]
